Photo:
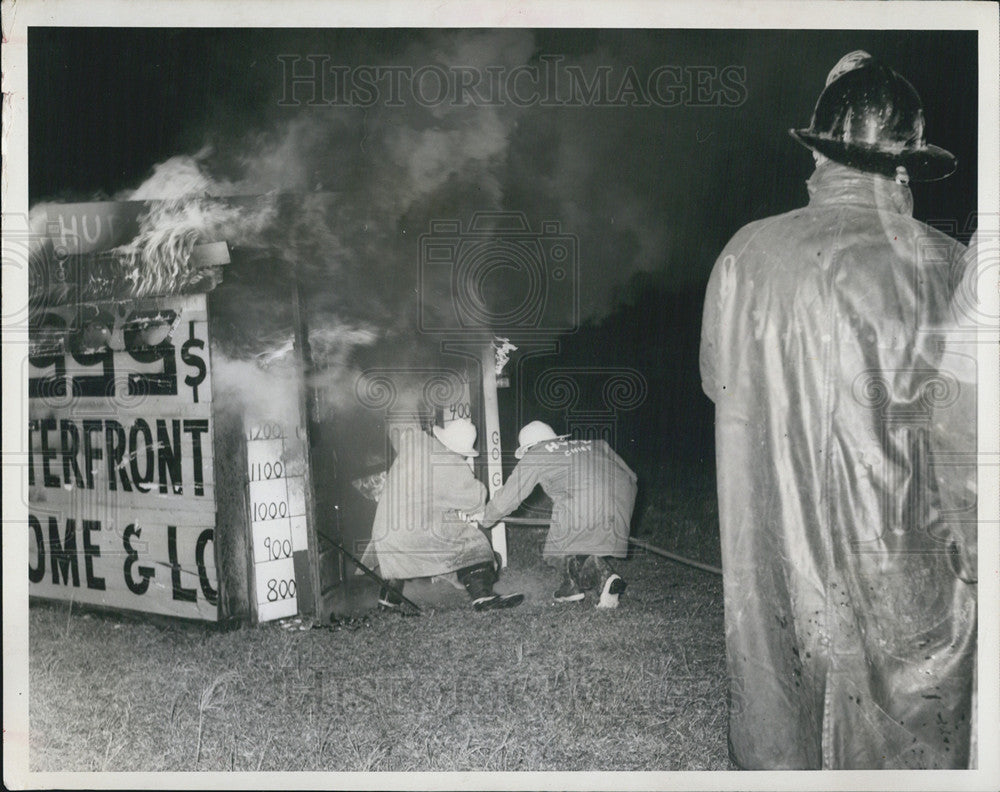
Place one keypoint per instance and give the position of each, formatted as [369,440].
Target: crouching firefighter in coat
[420,528]
[593,493]
[850,629]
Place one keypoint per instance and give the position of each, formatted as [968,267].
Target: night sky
[651,194]
[106,104]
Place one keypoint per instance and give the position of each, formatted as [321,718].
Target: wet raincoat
[417,531]
[592,491]
[849,635]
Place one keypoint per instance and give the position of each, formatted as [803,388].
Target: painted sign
[88,227]
[121,479]
[276,459]
[78,253]
[494,467]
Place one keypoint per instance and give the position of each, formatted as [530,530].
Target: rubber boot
[478,581]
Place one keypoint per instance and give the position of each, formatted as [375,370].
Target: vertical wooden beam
[303,360]
[494,466]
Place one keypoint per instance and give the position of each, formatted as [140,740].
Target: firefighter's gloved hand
[476,518]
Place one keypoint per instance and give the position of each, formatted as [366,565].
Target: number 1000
[270,511]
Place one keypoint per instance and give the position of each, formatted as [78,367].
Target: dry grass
[542,687]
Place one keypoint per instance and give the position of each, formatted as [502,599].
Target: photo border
[19,16]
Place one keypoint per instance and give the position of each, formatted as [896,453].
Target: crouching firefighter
[419,530]
[593,493]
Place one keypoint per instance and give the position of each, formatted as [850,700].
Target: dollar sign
[195,361]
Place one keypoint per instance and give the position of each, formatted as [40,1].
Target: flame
[158,259]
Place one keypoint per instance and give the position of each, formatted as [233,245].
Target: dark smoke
[345,193]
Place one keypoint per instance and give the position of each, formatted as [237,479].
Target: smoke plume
[343,193]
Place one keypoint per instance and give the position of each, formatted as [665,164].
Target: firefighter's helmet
[532,434]
[458,436]
[871,118]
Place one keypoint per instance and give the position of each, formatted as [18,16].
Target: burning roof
[131,249]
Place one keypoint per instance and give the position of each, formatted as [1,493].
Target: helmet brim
[927,163]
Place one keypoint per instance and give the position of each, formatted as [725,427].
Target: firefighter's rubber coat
[850,631]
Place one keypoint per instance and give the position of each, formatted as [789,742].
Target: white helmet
[458,436]
[534,433]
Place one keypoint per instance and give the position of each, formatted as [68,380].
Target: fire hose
[527,522]
[521,522]
[370,573]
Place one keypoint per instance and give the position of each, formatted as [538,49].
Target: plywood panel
[128,355]
[276,461]
[97,537]
[147,564]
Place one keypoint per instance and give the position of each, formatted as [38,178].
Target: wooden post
[494,468]
[308,561]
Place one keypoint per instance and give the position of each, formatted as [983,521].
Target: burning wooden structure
[148,489]
[168,474]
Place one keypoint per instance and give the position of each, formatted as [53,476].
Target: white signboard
[277,500]
[120,457]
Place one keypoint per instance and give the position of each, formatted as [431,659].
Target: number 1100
[262,471]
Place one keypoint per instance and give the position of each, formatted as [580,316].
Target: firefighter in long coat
[850,633]
[420,528]
[593,493]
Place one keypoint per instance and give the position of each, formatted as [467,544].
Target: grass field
[541,687]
